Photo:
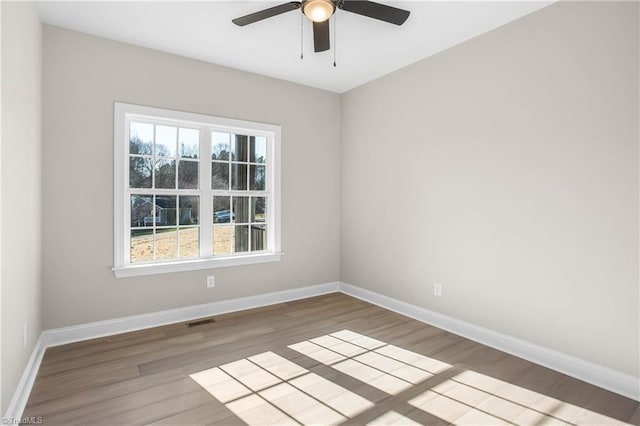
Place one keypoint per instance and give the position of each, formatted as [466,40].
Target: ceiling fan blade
[382,12]
[266,13]
[321,36]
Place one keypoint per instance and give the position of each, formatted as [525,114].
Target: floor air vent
[201,322]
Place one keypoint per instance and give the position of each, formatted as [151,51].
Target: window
[193,191]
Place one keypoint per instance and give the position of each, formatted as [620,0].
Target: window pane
[258,237]
[140,169]
[221,209]
[189,209]
[220,148]
[258,149]
[141,138]
[188,175]
[222,237]
[241,239]
[165,210]
[239,148]
[166,141]
[189,242]
[141,245]
[166,243]
[258,209]
[165,174]
[164,177]
[141,211]
[257,179]
[219,175]
[189,143]
[241,209]
[238,176]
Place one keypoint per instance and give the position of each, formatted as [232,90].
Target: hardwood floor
[386,368]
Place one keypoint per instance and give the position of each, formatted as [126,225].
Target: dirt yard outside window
[167,243]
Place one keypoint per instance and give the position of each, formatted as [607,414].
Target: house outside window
[193,191]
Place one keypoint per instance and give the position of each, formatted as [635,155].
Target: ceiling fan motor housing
[318,10]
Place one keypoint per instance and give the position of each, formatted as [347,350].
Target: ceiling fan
[319,11]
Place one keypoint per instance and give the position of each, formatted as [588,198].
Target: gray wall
[21,189]
[83,77]
[506,168]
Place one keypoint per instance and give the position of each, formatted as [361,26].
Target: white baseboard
[615,381]
[606,378]
[61,336]
[21,395]
[76,333]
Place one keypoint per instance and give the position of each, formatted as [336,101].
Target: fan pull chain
[301,37]
[335,40]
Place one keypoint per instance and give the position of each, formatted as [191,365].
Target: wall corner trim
[21,395]
[604,377]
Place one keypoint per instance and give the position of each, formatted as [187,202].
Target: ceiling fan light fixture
[318,10]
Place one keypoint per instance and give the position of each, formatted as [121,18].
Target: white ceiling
[366,48]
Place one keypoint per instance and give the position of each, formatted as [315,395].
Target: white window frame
[123,114]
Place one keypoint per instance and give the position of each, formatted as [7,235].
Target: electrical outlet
[437,289]
[24,335]
[211,281]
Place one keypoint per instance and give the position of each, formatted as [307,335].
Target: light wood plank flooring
[328,359]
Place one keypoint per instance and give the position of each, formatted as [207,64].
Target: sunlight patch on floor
[385,367]
[269,389]
[336,397]
[472,398]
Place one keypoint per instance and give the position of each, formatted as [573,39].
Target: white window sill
[193,265]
